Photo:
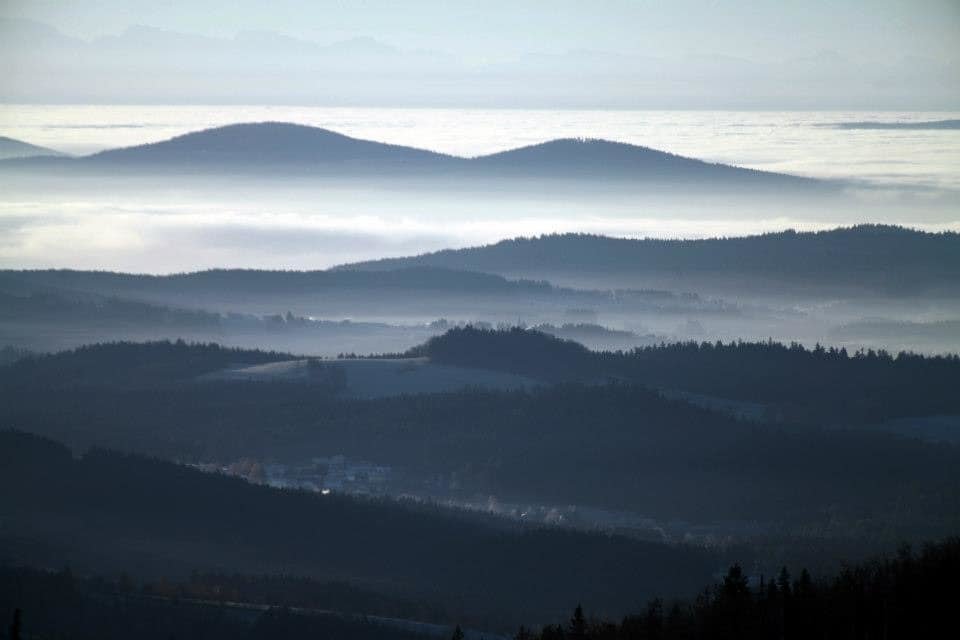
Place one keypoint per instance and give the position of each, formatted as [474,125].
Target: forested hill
[607,446]
[47,306]
[128,363]
[427,279]
[613,446]
[876,257]
[907,596]
[820,384]
[167,520]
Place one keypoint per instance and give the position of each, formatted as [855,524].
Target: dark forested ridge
[70,298]
[9,355]
[609,444]
[271,282]
[606,432]
[906,596]
[59,604]
[58,308]
[821,384]
[108,512]
[127,363]
[875,257]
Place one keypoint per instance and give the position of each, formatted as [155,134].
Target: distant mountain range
[270,143]
[291,148]
[424,279]
[931,125]
[875,257]
[14,149]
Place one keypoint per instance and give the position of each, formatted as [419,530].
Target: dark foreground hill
[107,512]
[60,604]
[875,258]
[907,596]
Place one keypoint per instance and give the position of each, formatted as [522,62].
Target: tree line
[907,595]
[858,259]
[910,595]
[822,384]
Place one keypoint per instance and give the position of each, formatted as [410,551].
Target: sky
[844,54]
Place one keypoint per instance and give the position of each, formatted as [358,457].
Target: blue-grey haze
[661,55]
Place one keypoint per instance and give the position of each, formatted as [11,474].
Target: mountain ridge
[294,147]
[886,256]
[13,149]
[269,280]
[272,141]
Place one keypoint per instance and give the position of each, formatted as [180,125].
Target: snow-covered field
[372,378]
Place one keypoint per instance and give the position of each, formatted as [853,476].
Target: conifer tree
[15,625]
[578,624]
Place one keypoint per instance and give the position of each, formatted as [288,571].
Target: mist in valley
[479,322]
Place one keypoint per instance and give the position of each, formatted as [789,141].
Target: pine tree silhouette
[578,624]
[15,625]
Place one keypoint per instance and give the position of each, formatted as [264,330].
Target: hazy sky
[876,29]
[690,54]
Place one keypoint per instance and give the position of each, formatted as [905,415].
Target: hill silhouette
[817,385]
[11,148]
[185,519]
[427,279]
[877,257]
[928,125]
[269,143]
[266,146]
[596,157]
[621,445]
[128,363]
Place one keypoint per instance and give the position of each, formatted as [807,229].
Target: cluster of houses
[322,475]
